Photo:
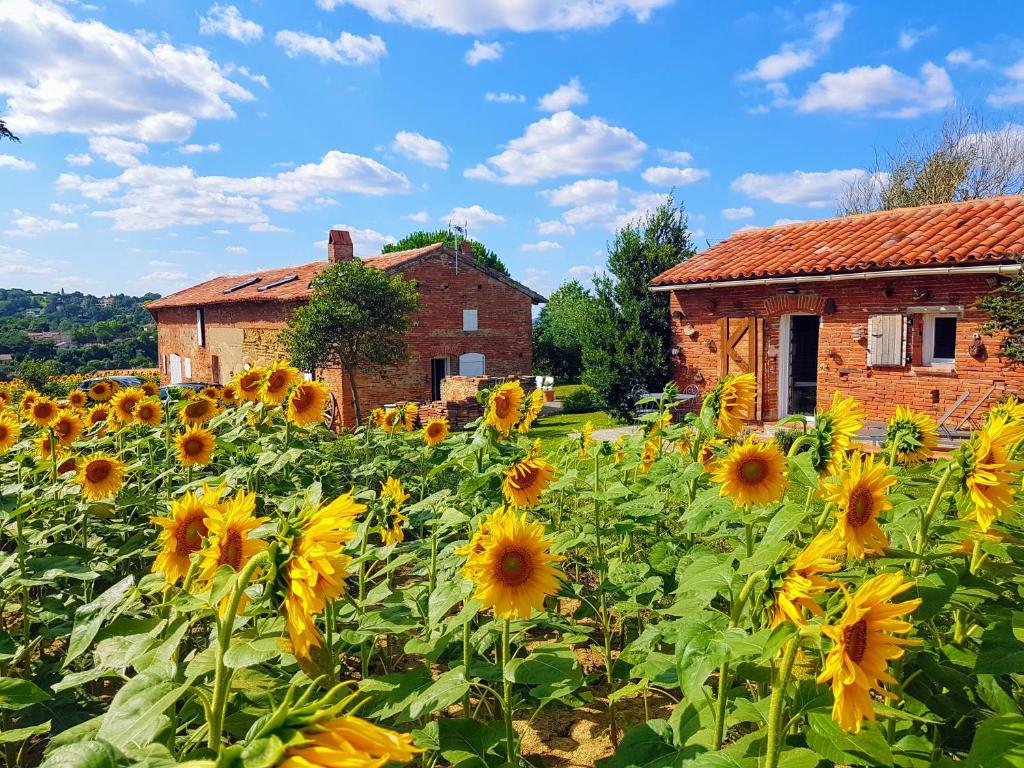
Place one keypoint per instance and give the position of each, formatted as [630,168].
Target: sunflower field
[218,580]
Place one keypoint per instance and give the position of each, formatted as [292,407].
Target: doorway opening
[798,369]
[439,368]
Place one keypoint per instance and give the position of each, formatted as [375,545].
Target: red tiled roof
[254,285]
[968,233]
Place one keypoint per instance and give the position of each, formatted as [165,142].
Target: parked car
[195,386]
[121,381]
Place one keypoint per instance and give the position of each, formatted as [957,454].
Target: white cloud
[909,37]
[825,26]
[585,272]
[26,225]
[222,232]
[162,264]
[347,49]
[84,77]
[418,147]
[478,16]
[483,52]
[227,20]
[961,57]
[117,151]
[592,214]
[16,163]
[236,250]
[583,192]
[65,209]
[1012,94]
[781,222]
[675,156]
[79,160]
[560,145]
[664,176]
[474,217]
[504,98]
[165,278]
[421,217]
[196,149]
[267,227]
[365,242]
[880,89]
[564,97]
[816,189]
[744,212]
[554,228]
[149,197]
[542,245]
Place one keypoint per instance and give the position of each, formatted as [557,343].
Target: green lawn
[553,429]
[561,390]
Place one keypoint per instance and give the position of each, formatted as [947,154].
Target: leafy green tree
[561,331]
[5,132]
[422,238]
[355,319]
[1005,306]
[628,349]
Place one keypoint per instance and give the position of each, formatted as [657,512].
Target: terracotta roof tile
[971,232]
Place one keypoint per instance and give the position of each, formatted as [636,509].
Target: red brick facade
[245,332]
[843,308]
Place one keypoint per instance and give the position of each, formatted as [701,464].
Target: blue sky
[165,142]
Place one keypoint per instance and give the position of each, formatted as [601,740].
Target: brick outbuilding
[473,321]
[879,306]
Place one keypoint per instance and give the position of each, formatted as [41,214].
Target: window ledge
[944,371]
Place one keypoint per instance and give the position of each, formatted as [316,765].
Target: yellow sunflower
[213,392]
[123,404]
[435,431]
[526,480]
[279,379]
[409,413]
[98,414]
[865,642]
[834,432]
[911,434]
[988,469]
[586,439]
[859,494]
[512,566]
[41,411]
[228,394]
[307,403]
[44,446]
[803,582]
[348,742]
[67,426]
[101,391]
[77,398]
[10,431]
[199,410]
[652,449]
[390,420]
[753,472]
[183,532]
[5,397]
[195,446]
[619,449]
[532,409]
[394,496]
[100,477]
[228,540]
[503,406]
[149,412]
[732,403]
[150,388]
[249,384]
[316,570]
[1012,408]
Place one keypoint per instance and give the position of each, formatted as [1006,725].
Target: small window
[188,368]
[469,320]
[200,328]
[472,364]
[939,346]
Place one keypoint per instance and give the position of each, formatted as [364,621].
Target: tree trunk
[350,374]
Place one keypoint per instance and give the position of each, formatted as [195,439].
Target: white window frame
[470,320]
[188,368]
[200,328]
[928,341]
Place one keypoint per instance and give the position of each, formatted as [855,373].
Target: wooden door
[739,351]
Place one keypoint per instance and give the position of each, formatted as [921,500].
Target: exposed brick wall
[842,358]
[237,332]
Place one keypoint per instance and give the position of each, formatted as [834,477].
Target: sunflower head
[731,403]
[10,430]
[45,447]
[77,398]
[859,494]
[526,480]
[100,477]
[229,540]
[392,491]
[123,404]
[229,394]
[391,420]
[804,581]
[503,406]
[195,446]
[102,391]
[213,392]
[149,411]
[752,473]
[435,431]
[619,448]
[410,412]
[834,432]
[307,403]
[988,469]
[345,742]
[67,426]
[279,379]
[182,534]
[531,410]
[586,439]
[912,435]
[42,410]
[150,388]
[249,384]
[199,410]
[651,451]
[98,414]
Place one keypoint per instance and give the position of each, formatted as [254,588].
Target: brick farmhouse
[879,306]
[473,322]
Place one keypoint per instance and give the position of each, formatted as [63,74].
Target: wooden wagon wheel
[330,410]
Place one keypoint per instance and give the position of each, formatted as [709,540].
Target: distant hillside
[58,333]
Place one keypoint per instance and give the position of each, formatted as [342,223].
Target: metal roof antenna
[460,234]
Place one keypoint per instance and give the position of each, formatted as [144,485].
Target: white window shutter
[886,340]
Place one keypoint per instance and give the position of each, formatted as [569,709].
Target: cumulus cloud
[84,77]
[560,145]
[882,90]
[816,189]
[743,212]
[585,272]
[554,228]
[665,176]
[961,57]
[676,157]
[542,245]
[825,26]
[228,20]
[16,163]
[26,225]
[474,217]
[421,217]
[1012,94]
[483,52]
[148,197]
[347,49]
[267,227]
[564,97]
[117,151]
[418,147]
[909,37]
[582,192]
[79,160]
[504,98]
[196,149]
[468,17]
[236,250]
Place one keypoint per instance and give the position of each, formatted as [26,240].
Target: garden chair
[949,414]
[969,418]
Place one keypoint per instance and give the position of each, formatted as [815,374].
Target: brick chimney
[467,248]
[339,246]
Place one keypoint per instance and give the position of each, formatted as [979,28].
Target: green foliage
[356,319]
[581,400]
[1005,306]
[5,132]
[562,330]
[628,350]
[422,238]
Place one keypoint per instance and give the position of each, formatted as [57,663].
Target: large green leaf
[645,746]
[18,694]
[1002,647]
[998,743]
[84,754]
[90,617]
[469,743]
[138,713]
[246,652]
[865,748]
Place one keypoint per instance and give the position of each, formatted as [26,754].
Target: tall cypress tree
[629,349]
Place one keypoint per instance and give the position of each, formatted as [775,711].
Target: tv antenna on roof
[461,234]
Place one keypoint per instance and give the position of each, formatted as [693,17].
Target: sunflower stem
[466,654]
[511,754]
[926,519]
[776,730]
